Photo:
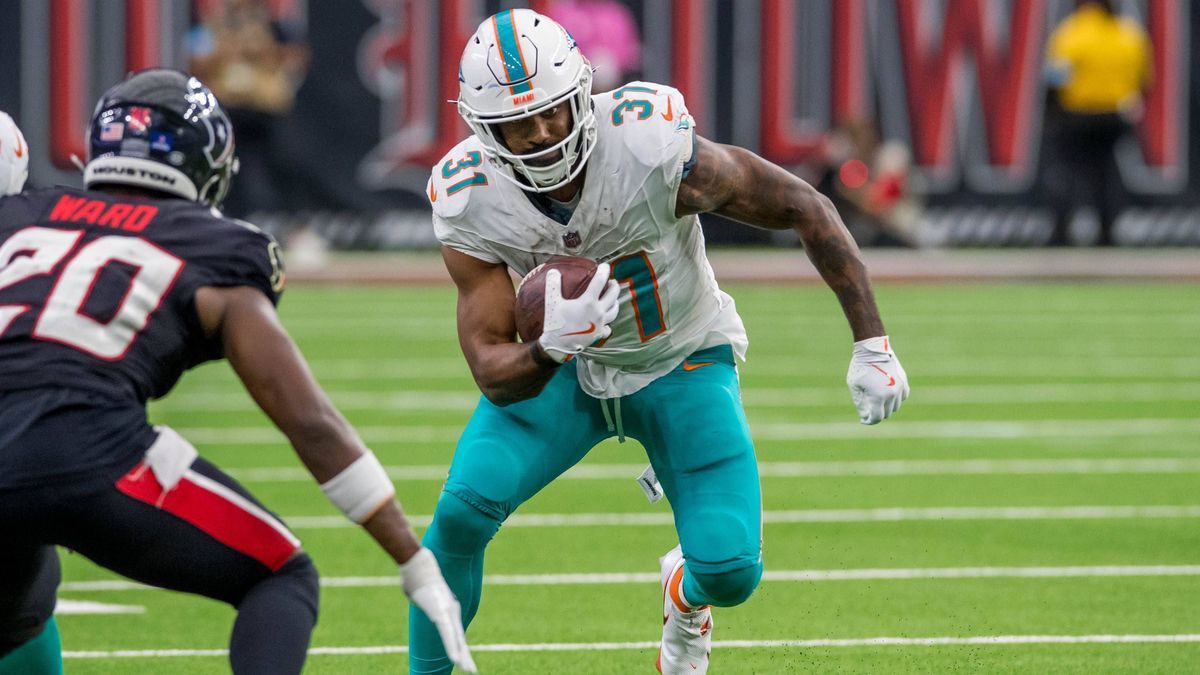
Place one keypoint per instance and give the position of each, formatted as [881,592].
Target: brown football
[531,294]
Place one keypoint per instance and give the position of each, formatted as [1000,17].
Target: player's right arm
[468,218]
[508,371]
[278,378]
[505,370]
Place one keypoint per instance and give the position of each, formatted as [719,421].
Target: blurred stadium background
[1033,508]
[933,122]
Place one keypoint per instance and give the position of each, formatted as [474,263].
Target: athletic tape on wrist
[361,488]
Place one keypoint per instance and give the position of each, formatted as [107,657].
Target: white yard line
[266,435]
[898,467]
[754,397]
[975,429]
[212,401]
[87,607]
[828,575]
[991,366]
[988,393]
[891,514]
[790,431]
[609,578]
[978,640]
[443,322]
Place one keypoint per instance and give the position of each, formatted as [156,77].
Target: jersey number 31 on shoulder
[473,158]
[643,107]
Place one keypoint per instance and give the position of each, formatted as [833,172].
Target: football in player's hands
[531,294]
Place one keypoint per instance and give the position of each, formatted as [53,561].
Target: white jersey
[670,303]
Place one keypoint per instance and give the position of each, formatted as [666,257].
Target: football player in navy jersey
[106,296]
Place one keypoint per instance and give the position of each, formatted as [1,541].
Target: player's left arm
[738,184]
[277,377]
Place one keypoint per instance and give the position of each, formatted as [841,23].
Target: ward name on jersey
[97,294]
[671,305]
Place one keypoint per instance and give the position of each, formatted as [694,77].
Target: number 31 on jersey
[452,168]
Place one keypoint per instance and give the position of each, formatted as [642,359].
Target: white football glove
[877,381]
[572,325]
[423,584]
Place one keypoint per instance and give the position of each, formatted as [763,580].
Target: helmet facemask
[575,148]
[519,64]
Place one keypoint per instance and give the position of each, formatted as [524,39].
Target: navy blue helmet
[162,130]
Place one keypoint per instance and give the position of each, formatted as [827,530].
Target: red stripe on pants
[215,515]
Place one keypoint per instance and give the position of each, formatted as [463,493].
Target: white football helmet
[14,157]
[517,64]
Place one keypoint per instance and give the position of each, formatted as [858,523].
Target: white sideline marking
[899,467]
[600,579]
[88,607]
[789,431]
[892,514]
[754,397]
[719,644]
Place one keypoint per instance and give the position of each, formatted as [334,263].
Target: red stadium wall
[958,82]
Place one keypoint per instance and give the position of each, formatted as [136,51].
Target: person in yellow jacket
[1098,65]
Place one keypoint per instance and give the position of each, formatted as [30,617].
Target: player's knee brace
[459,527]
[726,589]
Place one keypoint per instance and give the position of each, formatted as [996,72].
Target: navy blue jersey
[97,300]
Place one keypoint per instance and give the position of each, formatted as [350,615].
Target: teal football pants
[40,656]
[693,427]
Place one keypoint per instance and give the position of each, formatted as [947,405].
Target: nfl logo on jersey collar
[572,239]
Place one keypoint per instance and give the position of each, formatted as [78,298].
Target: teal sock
[457,536]
[40,656]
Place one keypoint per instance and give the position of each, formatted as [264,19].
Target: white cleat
[687,634]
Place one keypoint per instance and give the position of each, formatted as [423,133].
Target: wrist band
[361,488]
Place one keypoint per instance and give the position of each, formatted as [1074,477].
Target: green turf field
[1034,507]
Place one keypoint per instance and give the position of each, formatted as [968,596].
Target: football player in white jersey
[14,157]
[619,178]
